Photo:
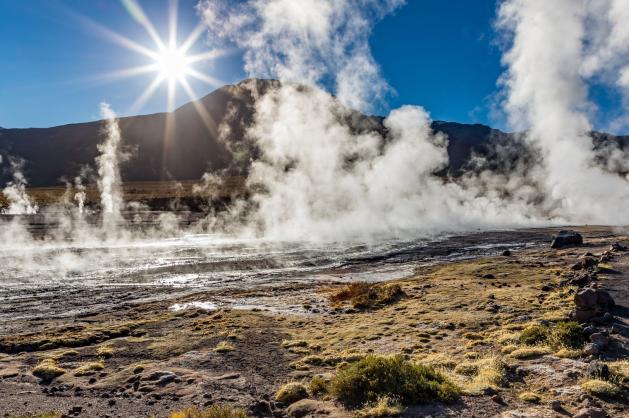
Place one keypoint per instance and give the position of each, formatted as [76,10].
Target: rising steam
[547,87]
[109,182]
[19,203]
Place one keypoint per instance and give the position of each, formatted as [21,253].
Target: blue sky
[438,54]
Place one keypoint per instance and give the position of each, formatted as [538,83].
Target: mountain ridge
[193,145]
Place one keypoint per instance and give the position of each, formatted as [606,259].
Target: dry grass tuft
[368,295]
[87,368]
[47,370]
[291,393]
[385,407]
[601,388]
[530,352]
[529,397]
[214,411]
[224,347]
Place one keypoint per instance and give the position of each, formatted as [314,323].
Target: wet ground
[47,279]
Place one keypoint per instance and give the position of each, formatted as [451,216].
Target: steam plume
[109,171]
[15,191]
[547,94]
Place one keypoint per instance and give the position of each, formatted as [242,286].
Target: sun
[173,64]
[169,60]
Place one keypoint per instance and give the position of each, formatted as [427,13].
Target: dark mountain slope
[193,144]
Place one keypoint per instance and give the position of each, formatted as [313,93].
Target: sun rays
[169,60]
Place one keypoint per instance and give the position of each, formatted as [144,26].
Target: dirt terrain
[471,319]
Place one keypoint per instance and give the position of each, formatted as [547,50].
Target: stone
[582,279]
[567,239]
[261,408]
[585,263]
[590,412]
[506,253]
[600,339]
[586,299]
[305,407]
[583,315]
[618,247]
[604,299]
[591,349]
[597,370]
[555,405]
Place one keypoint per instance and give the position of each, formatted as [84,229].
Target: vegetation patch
[214,411]
[534,335]
[47,370]
[529,397]
[224,347]
[105,351]
[374,377]
[566,335]
[291,393]
[368,295]
[600,388]
[385,407]
[530,352]
[88,368]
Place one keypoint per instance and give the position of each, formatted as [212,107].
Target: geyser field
[276,249]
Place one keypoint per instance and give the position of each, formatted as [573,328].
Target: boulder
[590,298]
[567,239]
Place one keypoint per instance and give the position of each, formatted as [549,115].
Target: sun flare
[171,61]
[172,64]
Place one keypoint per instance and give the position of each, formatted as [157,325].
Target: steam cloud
[324,178]
[109,171]
[15,191]
[549,66]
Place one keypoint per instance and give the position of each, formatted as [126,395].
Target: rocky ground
[494,326]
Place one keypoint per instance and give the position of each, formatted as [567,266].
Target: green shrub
[534,334]
[567,335]
[375,377]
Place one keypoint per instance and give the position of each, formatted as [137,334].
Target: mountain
[193,145]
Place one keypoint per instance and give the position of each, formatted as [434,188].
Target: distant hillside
[193,147]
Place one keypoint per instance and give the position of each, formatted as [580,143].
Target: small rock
[600,339]
[591,349]
[488,276]
[506,253]
[498,399]
[598,370]
[585,263]
[305,407]
[618,247]
[555,405]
